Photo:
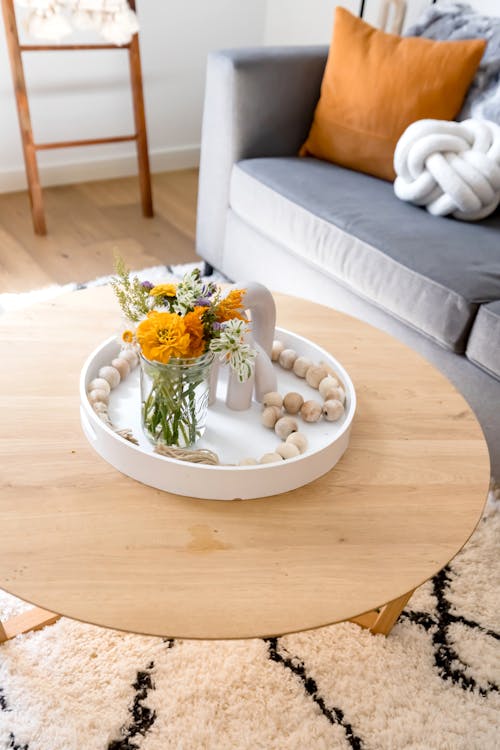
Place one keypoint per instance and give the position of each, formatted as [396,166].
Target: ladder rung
[91,142]
[68,47]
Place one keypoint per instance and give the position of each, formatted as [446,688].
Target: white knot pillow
[450,167]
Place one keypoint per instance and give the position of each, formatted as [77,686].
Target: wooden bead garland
[109,377]
[319,376]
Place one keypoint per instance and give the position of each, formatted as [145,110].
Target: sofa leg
[207,269]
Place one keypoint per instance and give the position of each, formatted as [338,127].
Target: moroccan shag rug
[433,684]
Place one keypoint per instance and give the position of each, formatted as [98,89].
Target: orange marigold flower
[164,290]
[163,335]
[128,336]
[194,326]
[231,306]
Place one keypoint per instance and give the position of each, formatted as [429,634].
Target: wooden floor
[87,221]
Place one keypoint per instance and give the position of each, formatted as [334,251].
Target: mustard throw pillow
[376,84]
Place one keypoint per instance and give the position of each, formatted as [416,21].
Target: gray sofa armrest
[258,102]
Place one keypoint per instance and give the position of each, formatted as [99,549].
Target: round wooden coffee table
[82,540]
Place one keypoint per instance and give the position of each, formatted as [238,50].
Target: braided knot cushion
[450,167]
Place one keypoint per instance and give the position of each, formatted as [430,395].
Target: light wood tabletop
[82,540]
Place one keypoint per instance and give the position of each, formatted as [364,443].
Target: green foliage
[132,297]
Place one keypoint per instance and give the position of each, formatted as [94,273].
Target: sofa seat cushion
[483,346]
[430,272]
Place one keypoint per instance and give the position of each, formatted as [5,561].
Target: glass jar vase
[175,399]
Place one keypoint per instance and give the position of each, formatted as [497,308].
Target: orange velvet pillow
[376,84]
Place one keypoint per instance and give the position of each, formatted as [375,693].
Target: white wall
[310,21]
[86,94]
[77,95]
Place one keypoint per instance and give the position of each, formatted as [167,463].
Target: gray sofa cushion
[430,272]
[483,347]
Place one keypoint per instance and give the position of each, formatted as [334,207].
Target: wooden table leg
[383,620]
[32,619]
[388,615]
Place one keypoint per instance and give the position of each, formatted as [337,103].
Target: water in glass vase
[175,399]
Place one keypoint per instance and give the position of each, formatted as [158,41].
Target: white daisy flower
[233,350]
[189,290]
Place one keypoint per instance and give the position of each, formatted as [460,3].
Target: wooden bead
[287,358]
[270,416]
[311,411]
[335,394]
[278,347]
[330,371]
[270,458]
[333,410]
[327,384]
[99,384]
[98,394]
[292,402]
[315,375]
[131,357]
[122,365]
[288,450]
[285,426]
[248,462]
[298,439]
[273,398]
[110,374]
[301,366]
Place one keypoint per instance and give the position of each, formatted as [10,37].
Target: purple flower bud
[147,285]
[203,302]
[217,326]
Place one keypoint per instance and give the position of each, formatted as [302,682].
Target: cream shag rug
[433,684]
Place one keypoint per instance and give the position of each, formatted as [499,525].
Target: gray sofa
[338,237]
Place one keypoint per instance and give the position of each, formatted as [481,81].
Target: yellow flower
[163,335]
[164,290]
[194,326]
[128,336]
[231,306]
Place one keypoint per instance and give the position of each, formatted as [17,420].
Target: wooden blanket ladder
[30,148]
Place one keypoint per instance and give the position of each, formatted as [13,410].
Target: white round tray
[233,435]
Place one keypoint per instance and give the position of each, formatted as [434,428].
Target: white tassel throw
[450,167]
[52,20]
